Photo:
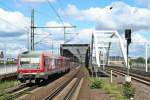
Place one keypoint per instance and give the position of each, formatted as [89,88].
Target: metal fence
[5,69]
[140,66]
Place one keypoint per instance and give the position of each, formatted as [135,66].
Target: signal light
[128,35]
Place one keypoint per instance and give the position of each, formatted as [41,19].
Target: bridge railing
[5,69]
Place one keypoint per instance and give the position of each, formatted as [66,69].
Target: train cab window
[30,62]
[24,62]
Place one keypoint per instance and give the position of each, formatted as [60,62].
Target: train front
[30,67]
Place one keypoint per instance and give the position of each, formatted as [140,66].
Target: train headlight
[37,75]
[20,76]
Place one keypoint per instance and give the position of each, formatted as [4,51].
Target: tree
[148,60]
[140,60]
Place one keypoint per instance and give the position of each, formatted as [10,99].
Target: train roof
[38,53]
[30,53]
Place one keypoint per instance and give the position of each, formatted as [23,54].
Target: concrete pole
[111,76]
[103,59]
[5,57]
[52,47]
[146,69]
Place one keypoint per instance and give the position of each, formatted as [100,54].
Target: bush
[128,90]
[96,84]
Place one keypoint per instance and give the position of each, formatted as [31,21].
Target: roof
[38,53]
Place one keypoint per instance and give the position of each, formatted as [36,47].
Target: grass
[6,84]
[96,83]
[115,90]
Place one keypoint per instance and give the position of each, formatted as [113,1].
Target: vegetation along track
[139,78]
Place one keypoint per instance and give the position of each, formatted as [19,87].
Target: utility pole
[52,46]
[34,27]
[64,34]
[32,30]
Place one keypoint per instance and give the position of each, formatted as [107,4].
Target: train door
[60,63]
[53,66]
[46,63]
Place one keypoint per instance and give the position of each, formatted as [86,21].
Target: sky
[86,15]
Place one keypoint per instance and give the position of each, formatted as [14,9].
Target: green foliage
[11,62]
[4,85]
[138,60]
[128,90]
[8,84]
[96,83]
[114,90]
[131,62]
[148,60]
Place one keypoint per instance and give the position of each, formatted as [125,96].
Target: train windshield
[33,63]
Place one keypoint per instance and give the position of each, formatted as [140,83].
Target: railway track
[66,90]
[13,89]
[139,78]
[17,91]
[21,92]
[24,88]
[135,71]
[72,89]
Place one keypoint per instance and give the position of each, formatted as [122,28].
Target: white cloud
[12,23]
[58,33]
[13,31]
[72,35]
[91,14]
[84,36]
[120,17]
[137,48]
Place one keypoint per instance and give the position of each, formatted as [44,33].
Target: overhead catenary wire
[62,8]
[57,14]
[42,39]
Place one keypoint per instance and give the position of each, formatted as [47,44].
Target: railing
[136,66]
[140,66]
[5,68]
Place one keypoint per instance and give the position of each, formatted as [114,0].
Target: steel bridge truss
[100,46]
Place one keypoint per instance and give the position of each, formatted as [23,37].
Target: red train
[37,66]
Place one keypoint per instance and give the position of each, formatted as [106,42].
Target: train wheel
[37,81]
[22,80]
